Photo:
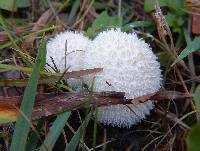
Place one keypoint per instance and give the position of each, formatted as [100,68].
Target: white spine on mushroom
[129,66]
[76,45]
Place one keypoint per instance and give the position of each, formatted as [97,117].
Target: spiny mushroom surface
[67,45]
[129,66]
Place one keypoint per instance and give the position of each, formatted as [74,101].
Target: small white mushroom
[67,46]
[129,66]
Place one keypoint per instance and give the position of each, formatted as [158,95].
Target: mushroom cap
[70,45]
[129,66]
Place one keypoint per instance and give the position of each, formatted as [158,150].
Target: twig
[83,16]
[182,118]
[119,8]
[173,118]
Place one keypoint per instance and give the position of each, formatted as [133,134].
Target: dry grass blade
[162,27]
[49,79]
[173,118]
[178,121]
[165,34]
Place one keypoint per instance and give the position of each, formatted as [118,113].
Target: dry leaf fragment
[196,23]
[50,104]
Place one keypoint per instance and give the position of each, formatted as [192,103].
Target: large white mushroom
[129,66]
[67,46]
[128,63]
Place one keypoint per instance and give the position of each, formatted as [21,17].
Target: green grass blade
[13,42]
[8,5]
[103,6]
[16,68]
[23,82]
[197,98]
[95,129]
[33,140]
[187,36]
[102,22]
[22,125]
[23,3]
[77,136]
[12,5]
[137,24]
[55,131]
[25,58]
[193,138]
[74,9]
[43,54]
[197,101]
[27,70]
[8,44]
[4,26]
[191,47]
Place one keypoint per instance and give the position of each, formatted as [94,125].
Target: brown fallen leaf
[42,21]
[45,17]
[50,104]
[19,31]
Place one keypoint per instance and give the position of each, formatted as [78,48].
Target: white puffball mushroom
[71,45]
[129,66]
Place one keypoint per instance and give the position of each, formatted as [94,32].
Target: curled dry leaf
[163,29]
